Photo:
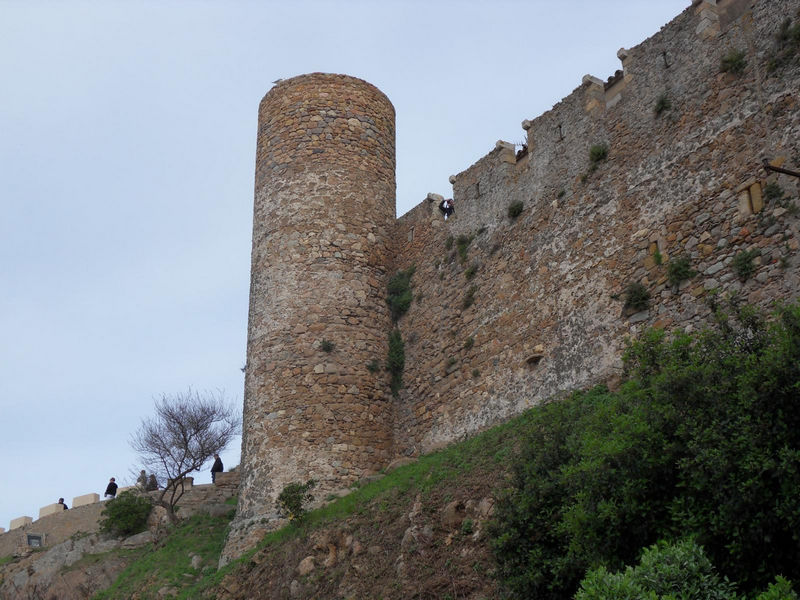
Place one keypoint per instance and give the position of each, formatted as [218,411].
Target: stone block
[50,509]
[744,204]
[85,499]
[2,529]
[756,200]
[20,522]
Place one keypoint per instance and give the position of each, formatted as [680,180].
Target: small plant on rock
[326,345]
[773,192]
[291,502]
[462,243]
[470,271]
[515,209]
[399,293]
[733,62]
[679,271]
[743,264]
[597,154]
[396,360]
[637,298]
[469,343]
[662,104]
[373,366]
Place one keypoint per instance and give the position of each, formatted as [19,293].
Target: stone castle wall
[56,525]
[549,286]
[536,306]
[323,219]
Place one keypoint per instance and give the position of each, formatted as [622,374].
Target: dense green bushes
[126,514]
[703,440]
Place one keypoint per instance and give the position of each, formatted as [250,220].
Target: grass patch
[169,564]
[733,62]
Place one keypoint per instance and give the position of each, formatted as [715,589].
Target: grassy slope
[445,555]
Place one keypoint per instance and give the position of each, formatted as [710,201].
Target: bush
[373,366]
[293,498]
[399,293]
[462,243]
[780,590]
[597,153]
[733,62]
[396,360]
[126,514]
[663,103]
[743,265]
[326,345]
[470,271]
[679,271]
[702,440]
[773,192]
[680,570]
[637,298]
[515,209]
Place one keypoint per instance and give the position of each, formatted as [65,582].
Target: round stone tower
[324,211]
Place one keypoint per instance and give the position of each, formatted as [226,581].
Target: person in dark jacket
[152,484]
[63,504]
[446,206]
[111,489]
[216,467]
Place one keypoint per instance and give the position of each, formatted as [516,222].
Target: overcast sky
[127,142]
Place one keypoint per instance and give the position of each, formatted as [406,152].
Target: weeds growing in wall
[399,293]
[743,264]
[733,62]
[294,498]
[396,360]
[679,270]
[637,298]
[787,46]
[663,103]
[462,243]
[515,209]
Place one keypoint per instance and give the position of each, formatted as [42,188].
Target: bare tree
[185,433]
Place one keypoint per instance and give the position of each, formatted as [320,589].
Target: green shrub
[476,373]
[781,589]
[678,271]
[637,297]
[680,570]
[396,360]
[469,342]
[515,209]
[462,243]
[597,153]
[663,103]
[291,502]
[743,263]
[448,243]
[373,366]
[658,258]
[126,514]
[733,62]
[773,192]
[470,271]
[399,293]
[326,345]
[467,527]
[702,440]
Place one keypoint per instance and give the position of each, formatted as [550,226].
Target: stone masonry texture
[323,219]
[507,312]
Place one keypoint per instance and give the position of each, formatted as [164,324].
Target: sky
[127,151]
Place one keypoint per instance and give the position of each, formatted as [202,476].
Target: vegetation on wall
[396,360]
[679,270]
[597,154]
[326,345]
[462,243]
[787,46]
[399,293]
[293,499]
[515,209]
[743,264]
[663,103]
[637,297]
[733,62]
[703,440]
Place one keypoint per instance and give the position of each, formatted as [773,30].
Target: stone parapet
[85,499]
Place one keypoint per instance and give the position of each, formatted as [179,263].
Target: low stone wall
[57,527]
